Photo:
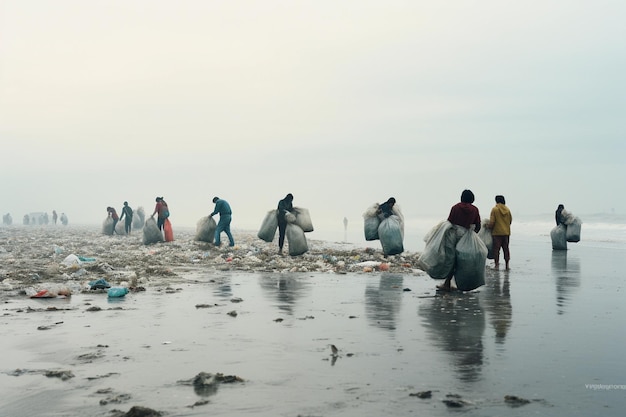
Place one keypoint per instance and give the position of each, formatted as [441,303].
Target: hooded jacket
[500,220]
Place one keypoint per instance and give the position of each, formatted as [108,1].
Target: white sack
[296,239]
[269,226]
[205,229]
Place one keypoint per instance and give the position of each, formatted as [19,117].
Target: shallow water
[545,331]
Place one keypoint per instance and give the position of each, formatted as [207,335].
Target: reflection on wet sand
[382,302]
[456,323]
[566,273]
[286,288]
[496,297]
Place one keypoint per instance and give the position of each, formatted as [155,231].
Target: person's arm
[216,209]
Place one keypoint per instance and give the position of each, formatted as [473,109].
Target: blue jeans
[224,226]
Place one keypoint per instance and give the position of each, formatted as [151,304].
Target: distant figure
[558,215]
[466,215]
[7,219]
[45,218]
[128,213]
[223,208]
[111,211]
[345,229]
[285,205]
[63,219]
[500,224]
[386,209]
[162,211]
[54,217]
[26,220]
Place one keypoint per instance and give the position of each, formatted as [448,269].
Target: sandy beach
[245,332]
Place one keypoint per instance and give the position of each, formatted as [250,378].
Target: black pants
[282,226]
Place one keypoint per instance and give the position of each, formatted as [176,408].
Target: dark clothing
[558,217]
[465,214]
[222,207]
[285,205]
[386,209]
[128,212]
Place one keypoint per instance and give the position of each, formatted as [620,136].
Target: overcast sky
[342,103]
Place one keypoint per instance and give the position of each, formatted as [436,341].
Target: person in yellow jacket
[500,224]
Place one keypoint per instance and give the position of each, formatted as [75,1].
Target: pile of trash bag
[452,249]
[298,223]
[568,231]
[389,230]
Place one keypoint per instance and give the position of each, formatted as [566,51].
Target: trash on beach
[116,292]
[99,284]
[53,291]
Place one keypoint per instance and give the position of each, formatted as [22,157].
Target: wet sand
[548,331]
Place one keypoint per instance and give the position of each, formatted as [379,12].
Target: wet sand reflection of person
[286,288]
[566,273]
[382,302]
[456,323]
[497,302]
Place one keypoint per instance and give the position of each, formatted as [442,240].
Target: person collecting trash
[223,209]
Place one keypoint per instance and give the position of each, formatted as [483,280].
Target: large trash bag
[371,222]
[438,256]
[558,236]
[151,232]
[269,226]
[572,232]
[120,228]
[469,267]
[139,218]
[390,235]
[303,219]
[107,226]
[485,235]
[205,229]
[370,227]
[168,231]
[296,239]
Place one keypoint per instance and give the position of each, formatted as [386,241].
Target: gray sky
[342,103]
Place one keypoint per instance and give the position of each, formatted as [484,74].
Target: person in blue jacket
[223,208]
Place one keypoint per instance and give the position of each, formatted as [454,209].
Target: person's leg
[114,224]
[218,231]
[497,244]
[506,250]
[231,241]
[160,223]
[282,226]
[446,284]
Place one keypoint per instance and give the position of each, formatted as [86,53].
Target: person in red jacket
[114,216]
[162,212]
[466,215]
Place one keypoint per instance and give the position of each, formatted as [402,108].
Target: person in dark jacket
[223,208]
[284,206]
[127,212]
[558,215]
[386,208]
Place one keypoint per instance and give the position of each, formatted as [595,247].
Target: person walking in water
[284,206]
[128,213]
[223,209]
[500,221]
